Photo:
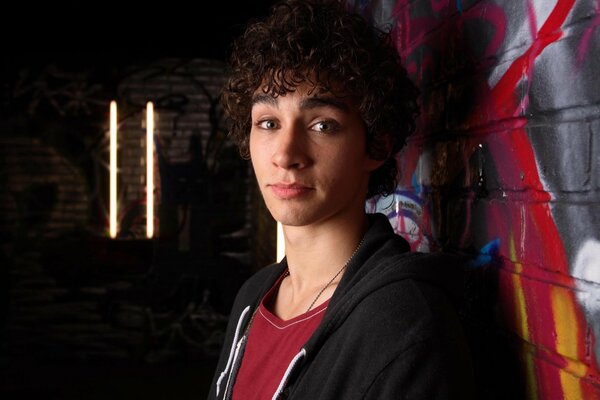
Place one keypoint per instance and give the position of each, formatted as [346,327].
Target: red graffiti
[522,218]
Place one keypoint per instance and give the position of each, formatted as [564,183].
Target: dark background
[118,32]
[107,37]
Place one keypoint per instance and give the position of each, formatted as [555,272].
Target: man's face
[308,153]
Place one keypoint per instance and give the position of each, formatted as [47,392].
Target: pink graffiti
[438,5]
[586,38]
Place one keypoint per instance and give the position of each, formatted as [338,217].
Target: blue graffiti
[486,254]
[416,184]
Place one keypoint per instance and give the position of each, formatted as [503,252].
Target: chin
[294,218]
[293,221]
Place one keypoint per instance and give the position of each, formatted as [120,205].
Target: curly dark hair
[324,44]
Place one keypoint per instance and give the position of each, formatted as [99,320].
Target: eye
[267,124]
[325,126]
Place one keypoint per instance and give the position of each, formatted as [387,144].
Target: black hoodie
[390,330]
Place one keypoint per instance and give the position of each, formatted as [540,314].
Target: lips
[288,191]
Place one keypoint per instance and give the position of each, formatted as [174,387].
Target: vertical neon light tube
[280,242]
[113,170]
[149,170]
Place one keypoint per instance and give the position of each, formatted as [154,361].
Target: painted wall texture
[505,165]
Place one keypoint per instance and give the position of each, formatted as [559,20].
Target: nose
[291,151]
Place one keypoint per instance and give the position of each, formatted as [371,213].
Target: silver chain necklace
[332,279]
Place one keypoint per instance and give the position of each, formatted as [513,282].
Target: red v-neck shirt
[272,344]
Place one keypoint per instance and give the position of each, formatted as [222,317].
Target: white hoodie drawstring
[235,357]
[233,347]
[288,371]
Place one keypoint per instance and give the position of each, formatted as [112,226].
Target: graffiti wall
[505,165]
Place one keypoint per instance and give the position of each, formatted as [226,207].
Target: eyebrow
[261,98]
[306,104]
[316,102]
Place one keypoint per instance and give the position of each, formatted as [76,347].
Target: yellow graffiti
[567,341]
[570,386]
[528,358]
[521,321]
[521,310]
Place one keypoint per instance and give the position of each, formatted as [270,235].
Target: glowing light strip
[280,242]
[113,170]
[149,169]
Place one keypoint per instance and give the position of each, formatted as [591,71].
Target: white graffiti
[586,270]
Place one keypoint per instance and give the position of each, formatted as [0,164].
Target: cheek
[251,143]
[254,150]
[350,161]
[254,156]
[343,168]
[257,167]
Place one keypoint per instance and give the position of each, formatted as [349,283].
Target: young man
[320,103]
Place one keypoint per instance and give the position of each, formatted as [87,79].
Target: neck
[316,257]
[315,254]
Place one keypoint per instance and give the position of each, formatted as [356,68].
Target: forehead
[307,96]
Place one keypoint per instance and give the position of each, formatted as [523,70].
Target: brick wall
[67,291]
[505,166]
[42,193]
[190,150]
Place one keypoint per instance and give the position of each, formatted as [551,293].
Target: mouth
[288,191]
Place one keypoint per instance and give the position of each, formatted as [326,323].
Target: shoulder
[437,277]
[422,333]
[416,296]
[407,305]
[405,336]
[411,316]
